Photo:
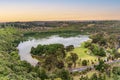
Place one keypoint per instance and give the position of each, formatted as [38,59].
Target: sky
[50,10]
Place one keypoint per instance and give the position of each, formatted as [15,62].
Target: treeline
[84,27]
[62,33]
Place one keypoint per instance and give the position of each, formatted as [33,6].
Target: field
[83,54]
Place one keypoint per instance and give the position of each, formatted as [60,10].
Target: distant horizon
[56,21]
[61,20]
[58,10]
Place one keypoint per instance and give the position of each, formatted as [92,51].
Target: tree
[94,77]
[11,67]
[102,66]
[101,77]
[84,62]
[117,55]
[87,44]
[97,50]
[74,58]
[99,38]
[112,41]
[53,54]
[60,64]
[69,48]
[50,62]
[116,77]
[64,74]
[69,64]
[84,78]
[52,49]
[101,52]
[116,70]
[42,74]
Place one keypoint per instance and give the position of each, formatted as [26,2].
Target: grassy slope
[83,55]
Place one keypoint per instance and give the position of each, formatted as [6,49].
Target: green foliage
[7,40]
[116,70]
[100,44]
[87,44]
[42,74]
[105,40]
[73,58]
[101,52]
[116,77]
[60,64]
[15,55]
[52,49]
[84,62]
[53,54]
[11,68]
[61,33]
[95,76]
[69,48]
[94,49]
[84,78]
[117,55]
[102,67]
[99,38]
[64,74]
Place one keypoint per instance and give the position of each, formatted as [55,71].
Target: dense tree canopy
[11,68]
[52,49]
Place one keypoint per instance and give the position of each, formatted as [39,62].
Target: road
[92,66]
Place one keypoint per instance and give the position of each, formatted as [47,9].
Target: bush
[116,70]
[84,63]
[69,48]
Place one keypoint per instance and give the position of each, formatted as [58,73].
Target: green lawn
[83,54]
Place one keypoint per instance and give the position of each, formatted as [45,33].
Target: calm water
[25,47]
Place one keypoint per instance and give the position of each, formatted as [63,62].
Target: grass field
[83,54]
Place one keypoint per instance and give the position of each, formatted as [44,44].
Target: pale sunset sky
[50,10]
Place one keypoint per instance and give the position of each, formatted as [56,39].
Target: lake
[25,47]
